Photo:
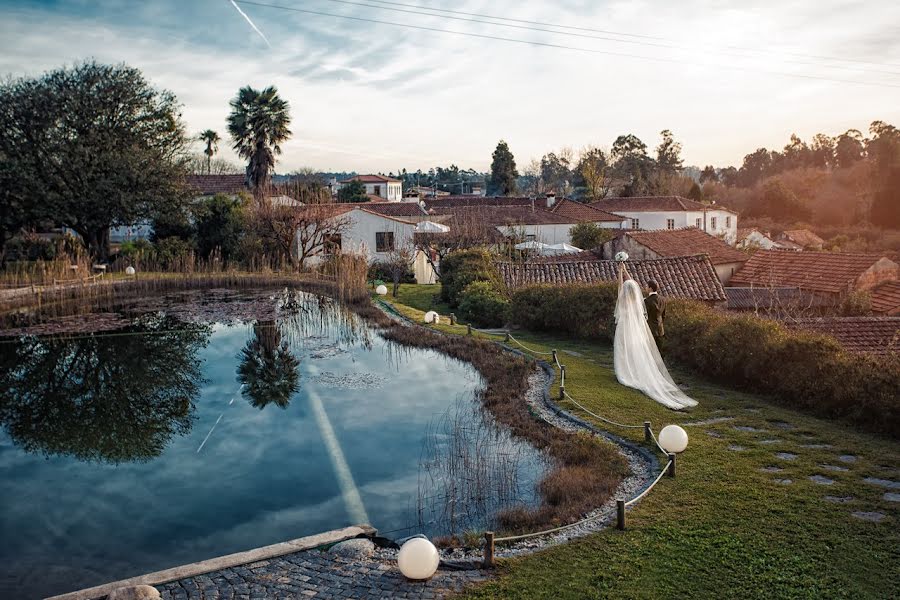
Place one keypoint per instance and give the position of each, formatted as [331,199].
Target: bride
[637,361]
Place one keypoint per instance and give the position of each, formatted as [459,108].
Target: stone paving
[321,575]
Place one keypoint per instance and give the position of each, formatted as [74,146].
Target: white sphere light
[129,270]
[673,439]
[381,290]
[432,317]
[418,559]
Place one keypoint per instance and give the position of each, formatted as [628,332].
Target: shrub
[173,252]
[482,305]
[220,226]
[459,269]
[800,369]
[581,310]
[589,235]
[380,270]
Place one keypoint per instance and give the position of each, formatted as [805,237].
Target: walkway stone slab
[885,483]
[786,455]
[771,469]
[748,428]
[711,421]
[847,458]
[784,481]
[736,448]
[839,499]
[821,480]
[772,441]
[891,497]
[816,446]
[875,517]
[782,425]
[835,468]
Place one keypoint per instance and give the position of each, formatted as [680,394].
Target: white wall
[359,236]
[725,221]
[755,239]
[392,192]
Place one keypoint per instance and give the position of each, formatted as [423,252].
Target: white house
[378,185]
[673,212]
[753,238]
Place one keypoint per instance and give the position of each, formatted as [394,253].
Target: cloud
[371,97]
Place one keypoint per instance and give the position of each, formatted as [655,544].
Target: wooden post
[468,330]
[620,515]
[488,549]
[648,435]
[506,339]
[555,361]
[452,319]
[671,471]
[562,382]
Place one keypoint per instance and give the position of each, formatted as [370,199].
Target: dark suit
[656,313]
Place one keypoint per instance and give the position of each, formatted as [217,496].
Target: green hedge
[459,269]
[799,369]
[584,311]
[482,305]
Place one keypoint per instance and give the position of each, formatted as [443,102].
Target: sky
[725,76]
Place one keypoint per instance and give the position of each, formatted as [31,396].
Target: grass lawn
[724,527]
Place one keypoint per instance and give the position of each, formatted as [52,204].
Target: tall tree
[90,147]
[884,149]
[709,174]
[268,369]
[593,171]
[822,151]
[849,148]
[631,164]
[668,153]
[258,125]
[211,139]
[503,171]
[556,172]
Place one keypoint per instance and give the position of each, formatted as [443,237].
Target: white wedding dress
[636,358]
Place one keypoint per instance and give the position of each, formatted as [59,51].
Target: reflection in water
[268,370]
[116,397]
[470,470]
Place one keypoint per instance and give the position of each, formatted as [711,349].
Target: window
[712,223]
[699,223]
[332,244]
[670,223]
[728,222]
[530,237]
[377,190]
[635,223]
[384,241]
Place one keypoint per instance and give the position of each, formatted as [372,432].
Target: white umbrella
[431,227]
[563,248]
[530,245]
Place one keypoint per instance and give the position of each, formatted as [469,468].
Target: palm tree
[212,139]
[258,124]
[268,370]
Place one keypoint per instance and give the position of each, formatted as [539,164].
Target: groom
[656,312]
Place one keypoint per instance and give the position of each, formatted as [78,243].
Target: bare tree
[399,261]
[299,232]
[468,229]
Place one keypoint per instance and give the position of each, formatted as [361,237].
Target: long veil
[637,361]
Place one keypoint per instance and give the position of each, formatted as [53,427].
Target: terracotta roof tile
[501,215]
[886,298]
[831,272]
[774,299]
[448,201]
[686,242]
[654,203]
[371,179]
[869,335]
[804,238]
[208,185]
[395,209]
[579,212]
[682,277]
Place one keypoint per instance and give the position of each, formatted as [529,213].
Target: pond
[197,425]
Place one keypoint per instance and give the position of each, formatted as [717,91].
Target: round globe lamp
[129,271]
[418,559]
[381,290]
[432,317]
[673,439]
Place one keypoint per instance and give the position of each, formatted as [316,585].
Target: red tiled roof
[869,335]
[395,209]
[654,203]
[578,212]
[775,299]
[804,238]
[502,215]
[682,277]
[686,242]
[832,272]
[447,201]
[208,185]
[371,179]
[886,298]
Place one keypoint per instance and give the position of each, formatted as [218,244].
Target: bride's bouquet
[621,256]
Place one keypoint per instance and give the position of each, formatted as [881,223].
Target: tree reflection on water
[113,397]
[268,369]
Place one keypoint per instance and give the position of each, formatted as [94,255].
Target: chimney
[551,199]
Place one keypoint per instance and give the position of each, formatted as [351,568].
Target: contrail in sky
[255,28]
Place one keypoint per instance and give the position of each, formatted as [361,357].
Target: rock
[358,548]
[137,592]
[821,480]
[874,517]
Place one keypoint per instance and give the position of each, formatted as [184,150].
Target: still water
[194,428]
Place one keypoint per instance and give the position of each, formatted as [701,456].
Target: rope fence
[621,504]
